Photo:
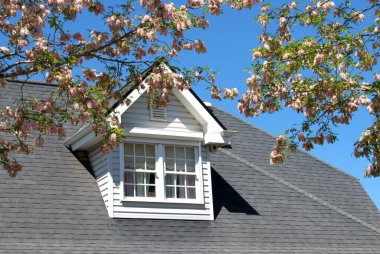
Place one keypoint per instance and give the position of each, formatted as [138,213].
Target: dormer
[161,170]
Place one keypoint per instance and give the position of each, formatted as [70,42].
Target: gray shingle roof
[54,205]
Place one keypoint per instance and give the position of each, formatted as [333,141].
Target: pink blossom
[151,36]
[112,138]
[195,3]
[152,50]
[318,59]
[199,47]
[215,94]
[76,106]
[285,56]
[264,8]
[276,157]
[256,55]
[22,43]
[187,46]
[301,137]
[90,74]
[369,170]
[292,5]
[4,50]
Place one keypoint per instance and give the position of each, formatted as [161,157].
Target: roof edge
[299,150]
[34,82]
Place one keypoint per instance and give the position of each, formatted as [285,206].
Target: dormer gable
[161,170]
[214,133]
[174,121]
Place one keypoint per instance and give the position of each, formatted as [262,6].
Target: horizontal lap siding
[158,210]
[99,164]
[178,117]
[205,175]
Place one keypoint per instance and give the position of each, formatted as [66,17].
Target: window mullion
[199,172]
[122,169]
[160,176]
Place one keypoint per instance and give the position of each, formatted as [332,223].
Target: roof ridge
[309,154]
[301,191]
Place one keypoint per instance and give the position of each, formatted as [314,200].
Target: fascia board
[78,135]
[86,141]
[198,111]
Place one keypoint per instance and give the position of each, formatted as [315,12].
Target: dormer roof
[213,133]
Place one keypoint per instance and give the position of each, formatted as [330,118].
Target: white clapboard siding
[99,164]
[178,117]
[162,210]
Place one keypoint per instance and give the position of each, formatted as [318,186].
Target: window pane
[139,150]
[128,177]
[180,152]
[169,164]
[191,193]
[181,180]
[169,152]
[151,191]
[128,162]
[150,151]
[180,165]
[140,178]
[169,179]
[181,192]
[190,166]
[170,192]
[190,180]
[140,191]
[150,163]
[150,178]
[129,190]
[140,163]
[128,149]
[190,153]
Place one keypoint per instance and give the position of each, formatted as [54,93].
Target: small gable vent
[158,114]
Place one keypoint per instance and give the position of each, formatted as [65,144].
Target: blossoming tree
[322,75]
[325,73]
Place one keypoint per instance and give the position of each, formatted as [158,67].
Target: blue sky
[229,41]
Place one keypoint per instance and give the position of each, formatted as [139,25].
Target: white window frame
[160,172]
[133,198]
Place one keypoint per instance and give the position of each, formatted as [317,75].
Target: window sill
[163,201]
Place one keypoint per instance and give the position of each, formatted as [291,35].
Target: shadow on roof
[226,196]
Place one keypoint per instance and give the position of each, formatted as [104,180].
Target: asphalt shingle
[54,204]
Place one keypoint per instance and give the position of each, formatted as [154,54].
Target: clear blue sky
[229,40]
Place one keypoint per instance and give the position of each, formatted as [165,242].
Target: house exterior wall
[156,210]
[100,166]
